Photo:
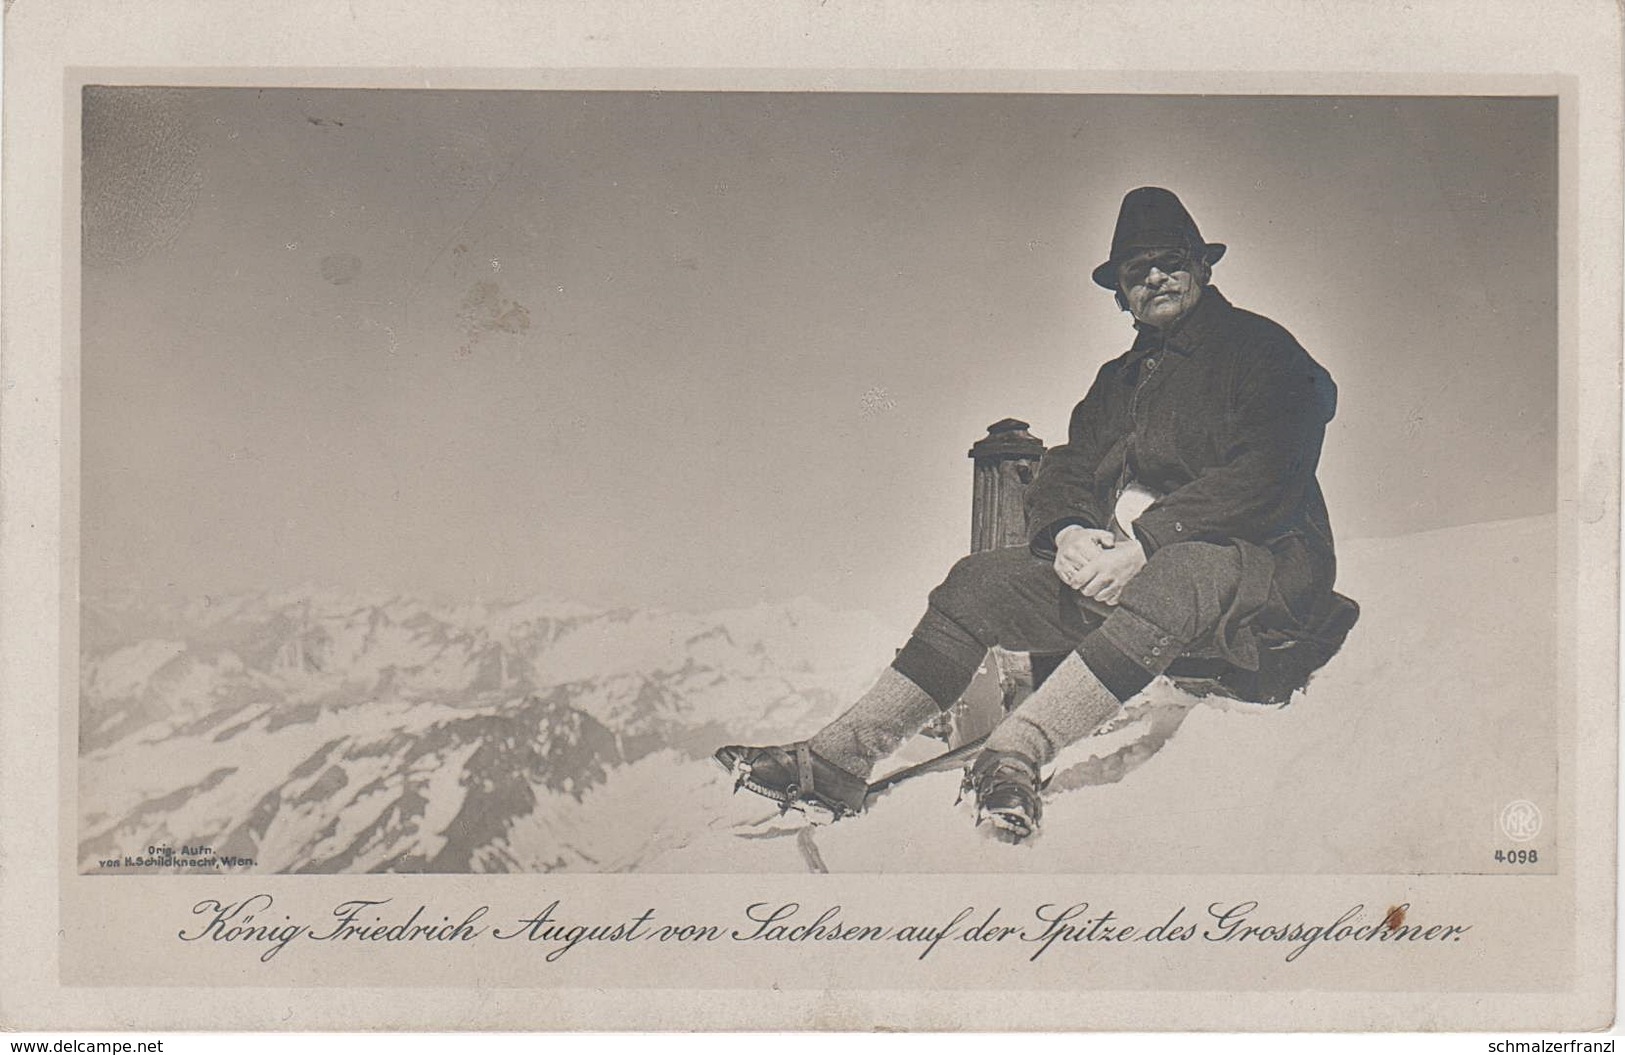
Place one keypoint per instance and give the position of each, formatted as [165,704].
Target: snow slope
[1440,710]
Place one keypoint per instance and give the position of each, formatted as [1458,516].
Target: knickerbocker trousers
[1011,598]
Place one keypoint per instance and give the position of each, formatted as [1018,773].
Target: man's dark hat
[1152,218]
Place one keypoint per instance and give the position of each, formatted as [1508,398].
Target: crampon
[1005,788]
[796,778]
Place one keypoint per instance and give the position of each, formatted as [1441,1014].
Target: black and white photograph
[466,474]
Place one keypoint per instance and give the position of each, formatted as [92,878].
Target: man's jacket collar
[1205,321]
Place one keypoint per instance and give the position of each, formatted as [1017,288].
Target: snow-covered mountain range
[313,732]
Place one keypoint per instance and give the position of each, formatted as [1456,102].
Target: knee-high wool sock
[889,713]
[1071,704]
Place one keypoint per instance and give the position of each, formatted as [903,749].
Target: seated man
[1183,514]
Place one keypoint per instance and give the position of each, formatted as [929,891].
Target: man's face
[1161,285]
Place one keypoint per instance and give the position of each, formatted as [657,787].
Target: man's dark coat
[1224,418]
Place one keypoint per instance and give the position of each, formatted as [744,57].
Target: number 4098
[1517,857]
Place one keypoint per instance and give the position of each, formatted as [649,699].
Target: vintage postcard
[903,517]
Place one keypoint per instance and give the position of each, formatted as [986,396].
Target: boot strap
[804,769]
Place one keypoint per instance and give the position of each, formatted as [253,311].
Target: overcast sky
[704,350]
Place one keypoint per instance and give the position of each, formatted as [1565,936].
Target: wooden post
[1006,459]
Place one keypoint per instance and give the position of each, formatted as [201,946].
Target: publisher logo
[1520,820]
